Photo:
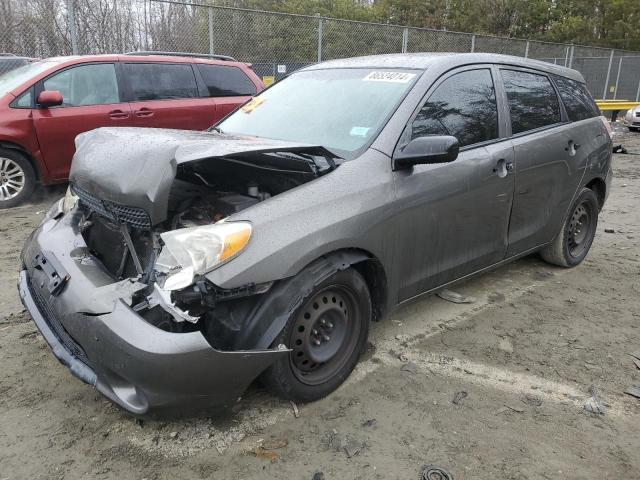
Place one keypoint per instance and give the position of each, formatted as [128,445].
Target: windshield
[341,110]
[14,78]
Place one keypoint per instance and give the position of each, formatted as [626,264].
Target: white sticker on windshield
[359,131]
[394,77]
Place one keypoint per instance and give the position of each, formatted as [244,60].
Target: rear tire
[17,178]
[573,242]
[326,334]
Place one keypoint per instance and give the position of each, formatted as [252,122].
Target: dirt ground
[527,354]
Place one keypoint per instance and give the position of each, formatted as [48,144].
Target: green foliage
[608,23]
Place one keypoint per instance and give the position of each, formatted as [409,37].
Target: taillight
[607,126]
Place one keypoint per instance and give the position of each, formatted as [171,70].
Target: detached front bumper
[92,330]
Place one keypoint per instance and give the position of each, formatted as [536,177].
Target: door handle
[144,112]
[572,147]
[503,167]
[118,114]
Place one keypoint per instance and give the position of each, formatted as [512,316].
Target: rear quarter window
[577,99]
[224,81]
[533,102]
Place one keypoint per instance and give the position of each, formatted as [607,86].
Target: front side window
[160,81]
[533,102]
[226,81]
[94,84]
[577,100]
[24,101]
[340,109]
[463,106]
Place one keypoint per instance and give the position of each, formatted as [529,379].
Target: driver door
[91,99]
[455,217]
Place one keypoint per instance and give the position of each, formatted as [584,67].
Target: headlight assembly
[68,201]
[188,252]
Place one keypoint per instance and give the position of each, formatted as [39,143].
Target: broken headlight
[188,252]
[68,201]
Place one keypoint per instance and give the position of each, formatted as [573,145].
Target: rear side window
[160,81]
[577,100]
[464,106]
[533,102]
[226,81]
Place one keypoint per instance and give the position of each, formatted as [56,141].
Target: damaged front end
[142,229]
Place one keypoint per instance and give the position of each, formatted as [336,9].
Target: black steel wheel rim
[580,229]
[324,334]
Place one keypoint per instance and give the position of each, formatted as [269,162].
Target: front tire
[326,334]
[17,178]
[573,242]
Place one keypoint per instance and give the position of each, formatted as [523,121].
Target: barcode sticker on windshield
[395,77]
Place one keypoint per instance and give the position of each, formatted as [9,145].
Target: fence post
[526,50]
[320,29]
[615,92]
[606,82]
[571,55]
[638,91]
[473,43]
[210,12]
[71,19]
[405,39]
[566,55]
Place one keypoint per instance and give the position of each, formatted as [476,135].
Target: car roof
[444,60]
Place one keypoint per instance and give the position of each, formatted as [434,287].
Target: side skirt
[473,274]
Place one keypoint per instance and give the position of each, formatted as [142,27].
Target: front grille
[133,216]
[54,324]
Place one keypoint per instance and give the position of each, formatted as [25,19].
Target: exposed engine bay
[202,196]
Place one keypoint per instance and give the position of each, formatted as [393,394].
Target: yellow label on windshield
[252,104]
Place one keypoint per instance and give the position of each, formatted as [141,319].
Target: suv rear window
[226,81]
[533,102]
[160,81]
[577,99]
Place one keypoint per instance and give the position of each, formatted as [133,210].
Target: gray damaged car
[181,266]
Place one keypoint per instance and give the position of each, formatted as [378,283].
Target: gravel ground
[527,354]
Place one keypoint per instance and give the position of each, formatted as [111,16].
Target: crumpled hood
[136,166]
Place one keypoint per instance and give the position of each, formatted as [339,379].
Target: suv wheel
[573,242]
[326,334]
[17,178]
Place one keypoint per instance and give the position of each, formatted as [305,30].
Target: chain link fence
[275,43]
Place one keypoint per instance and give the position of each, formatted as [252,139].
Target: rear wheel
[17,178]
[326,334]
[573,242]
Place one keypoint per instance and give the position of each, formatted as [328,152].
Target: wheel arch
[19,148]
[599,187]
[270,314]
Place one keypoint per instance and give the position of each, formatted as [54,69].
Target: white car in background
[632,119]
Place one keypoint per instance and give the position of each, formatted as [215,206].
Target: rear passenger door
[166,95]
[549,161]
[228,87]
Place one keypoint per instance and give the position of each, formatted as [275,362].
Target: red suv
[45,104]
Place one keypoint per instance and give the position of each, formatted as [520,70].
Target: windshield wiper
[217,130]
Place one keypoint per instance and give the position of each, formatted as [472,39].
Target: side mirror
[426,150]
[49,98]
